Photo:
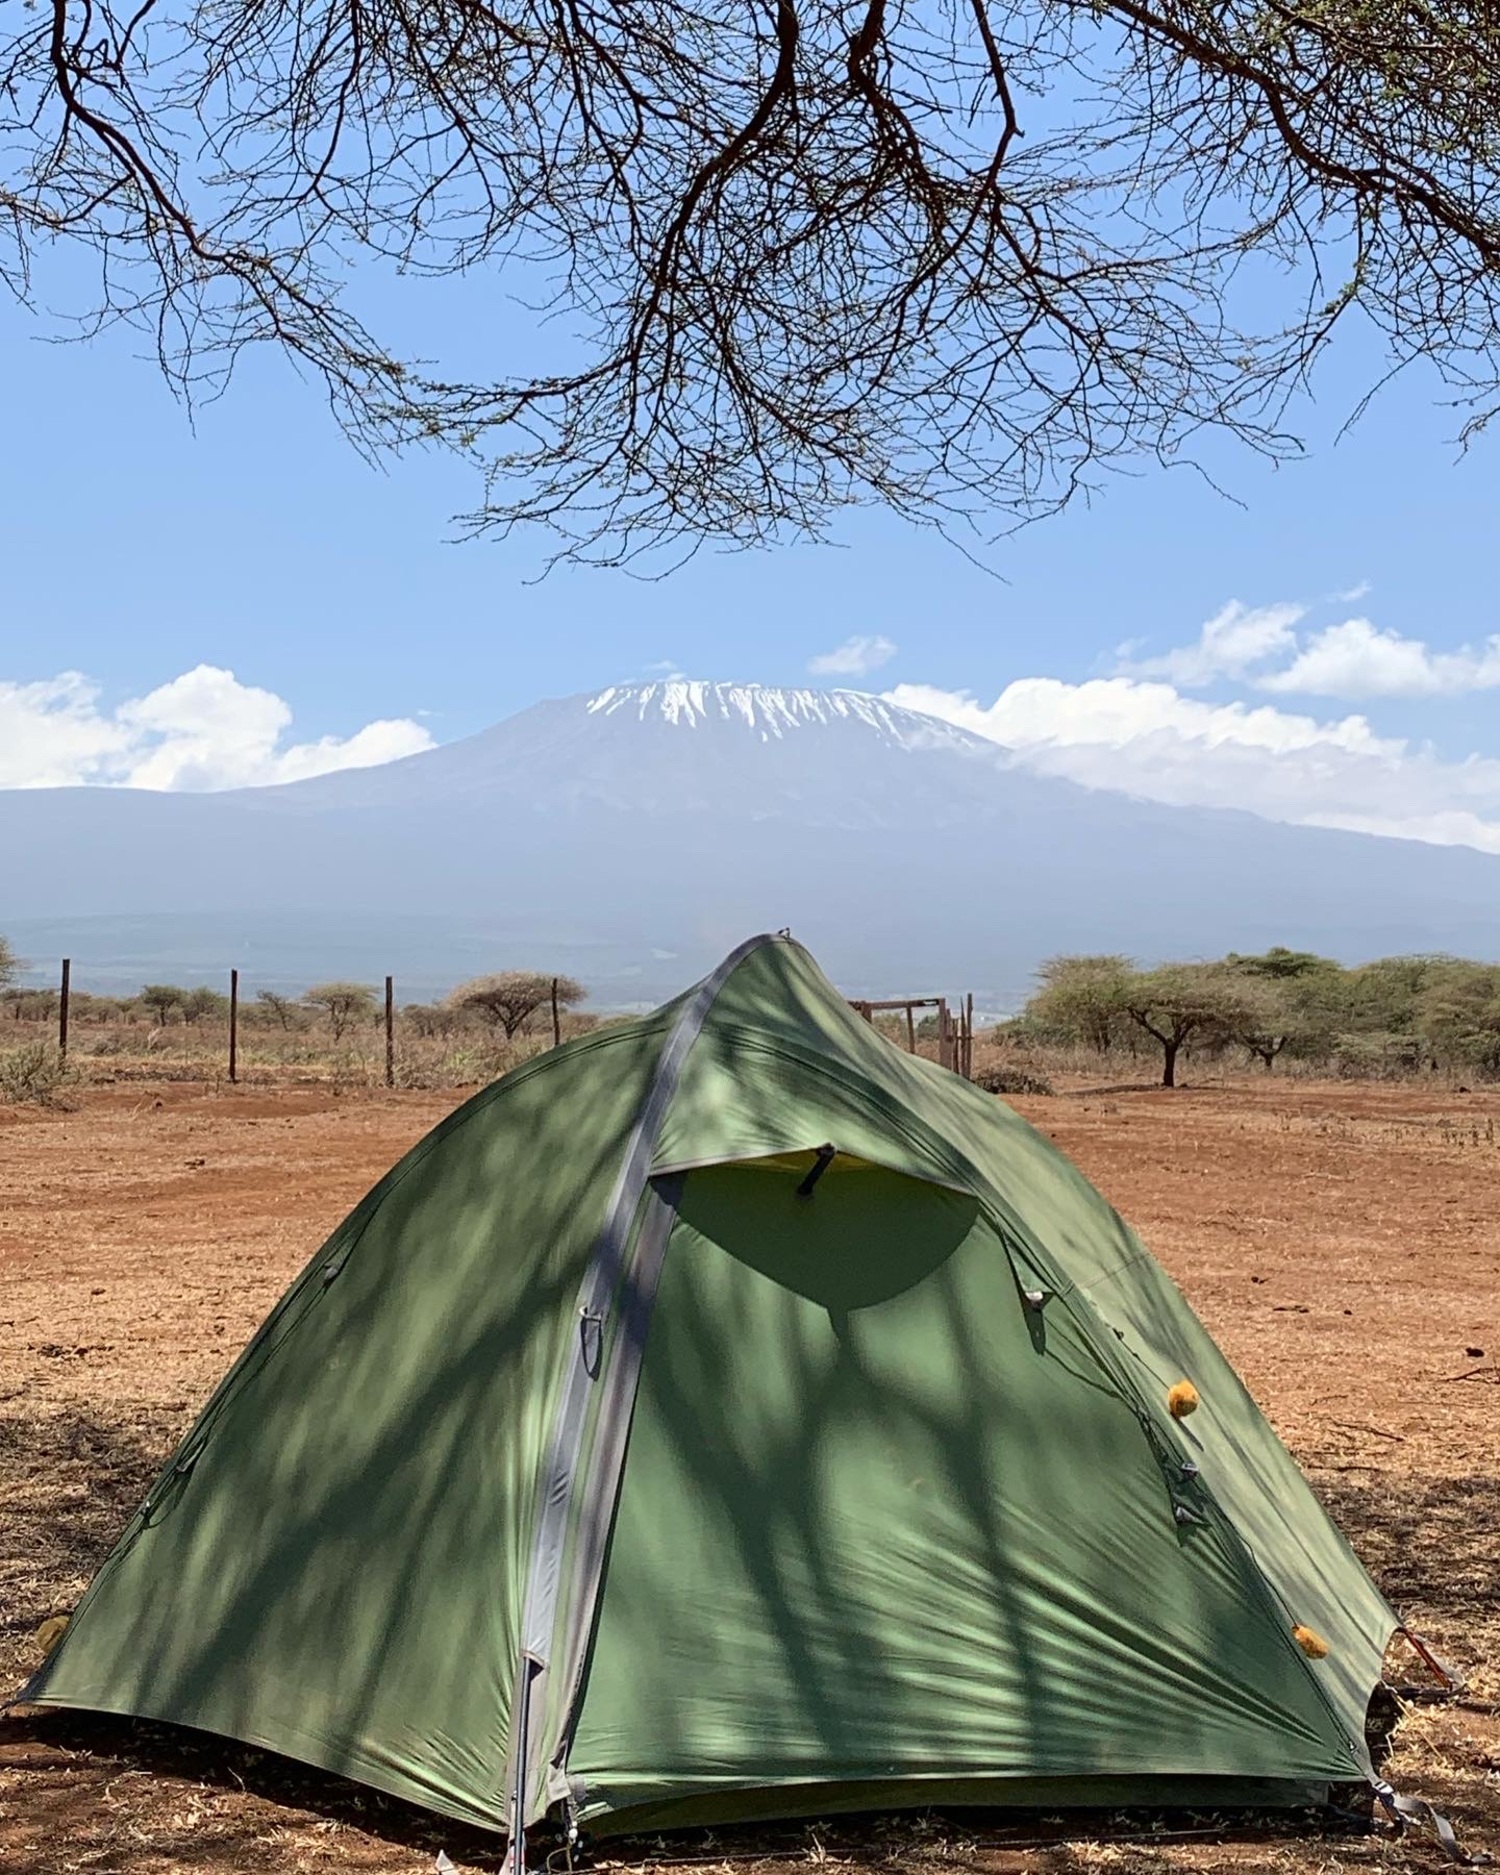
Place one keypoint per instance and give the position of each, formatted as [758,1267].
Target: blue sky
[138,548]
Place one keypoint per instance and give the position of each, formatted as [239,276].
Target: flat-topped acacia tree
[956,258]
[1175,1006]
[161,999]
[507,997]
[1181,1004]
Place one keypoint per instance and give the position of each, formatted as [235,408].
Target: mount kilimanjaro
[631,836]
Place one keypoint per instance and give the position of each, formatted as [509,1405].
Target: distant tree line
[1397,1015]
[507,1002]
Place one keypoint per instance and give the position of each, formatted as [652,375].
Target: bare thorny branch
[959,256]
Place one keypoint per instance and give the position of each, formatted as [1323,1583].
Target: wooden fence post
[969,1036]
[62,1007]
[911,1031]
[556,1017]
[390,1031]
[234,1025]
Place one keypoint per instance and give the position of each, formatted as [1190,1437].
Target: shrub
[430,1021]
[1005,1080]
[344,1004]
[34,1072]
[31,1005]
[272,1006]
[161,999]
[201,1002]
[1379,1057]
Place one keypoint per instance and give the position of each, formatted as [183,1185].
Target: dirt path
[1342,1243]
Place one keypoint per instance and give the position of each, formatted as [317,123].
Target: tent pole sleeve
[599,1490]
[592,1354]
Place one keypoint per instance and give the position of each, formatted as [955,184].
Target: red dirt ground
[1342,1242]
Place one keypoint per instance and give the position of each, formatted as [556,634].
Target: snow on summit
[765,711]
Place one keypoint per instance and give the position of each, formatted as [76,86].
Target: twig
[1354,1425]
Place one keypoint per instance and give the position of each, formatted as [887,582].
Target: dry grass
[1342,1242]
[462,1051]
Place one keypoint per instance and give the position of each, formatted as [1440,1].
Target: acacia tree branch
[807,254]
[1412,185]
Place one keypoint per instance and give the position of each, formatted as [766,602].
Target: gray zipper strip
[593,1354]
[599,1487]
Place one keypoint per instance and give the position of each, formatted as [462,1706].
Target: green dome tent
[727,1415]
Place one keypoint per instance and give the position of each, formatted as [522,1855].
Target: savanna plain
[1342,1241]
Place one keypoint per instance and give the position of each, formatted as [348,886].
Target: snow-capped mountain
[765,712]
[679,747]
[633,834]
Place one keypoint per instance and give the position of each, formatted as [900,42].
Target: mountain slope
[634,834]
[645,745]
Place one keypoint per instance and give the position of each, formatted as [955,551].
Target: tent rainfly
[729,1416]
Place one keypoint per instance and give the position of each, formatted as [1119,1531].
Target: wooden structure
[955,1035]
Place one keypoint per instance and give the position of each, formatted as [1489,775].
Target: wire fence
[367,1038]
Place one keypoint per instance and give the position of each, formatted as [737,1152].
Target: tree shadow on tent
[332,1563]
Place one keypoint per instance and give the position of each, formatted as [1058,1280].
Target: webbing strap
[1403,1810]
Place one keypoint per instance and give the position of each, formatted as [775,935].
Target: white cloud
[1234,641]
[1149,740]
[52,733]
[855,657]
[1260,646]
[1355,659]
[202,730]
